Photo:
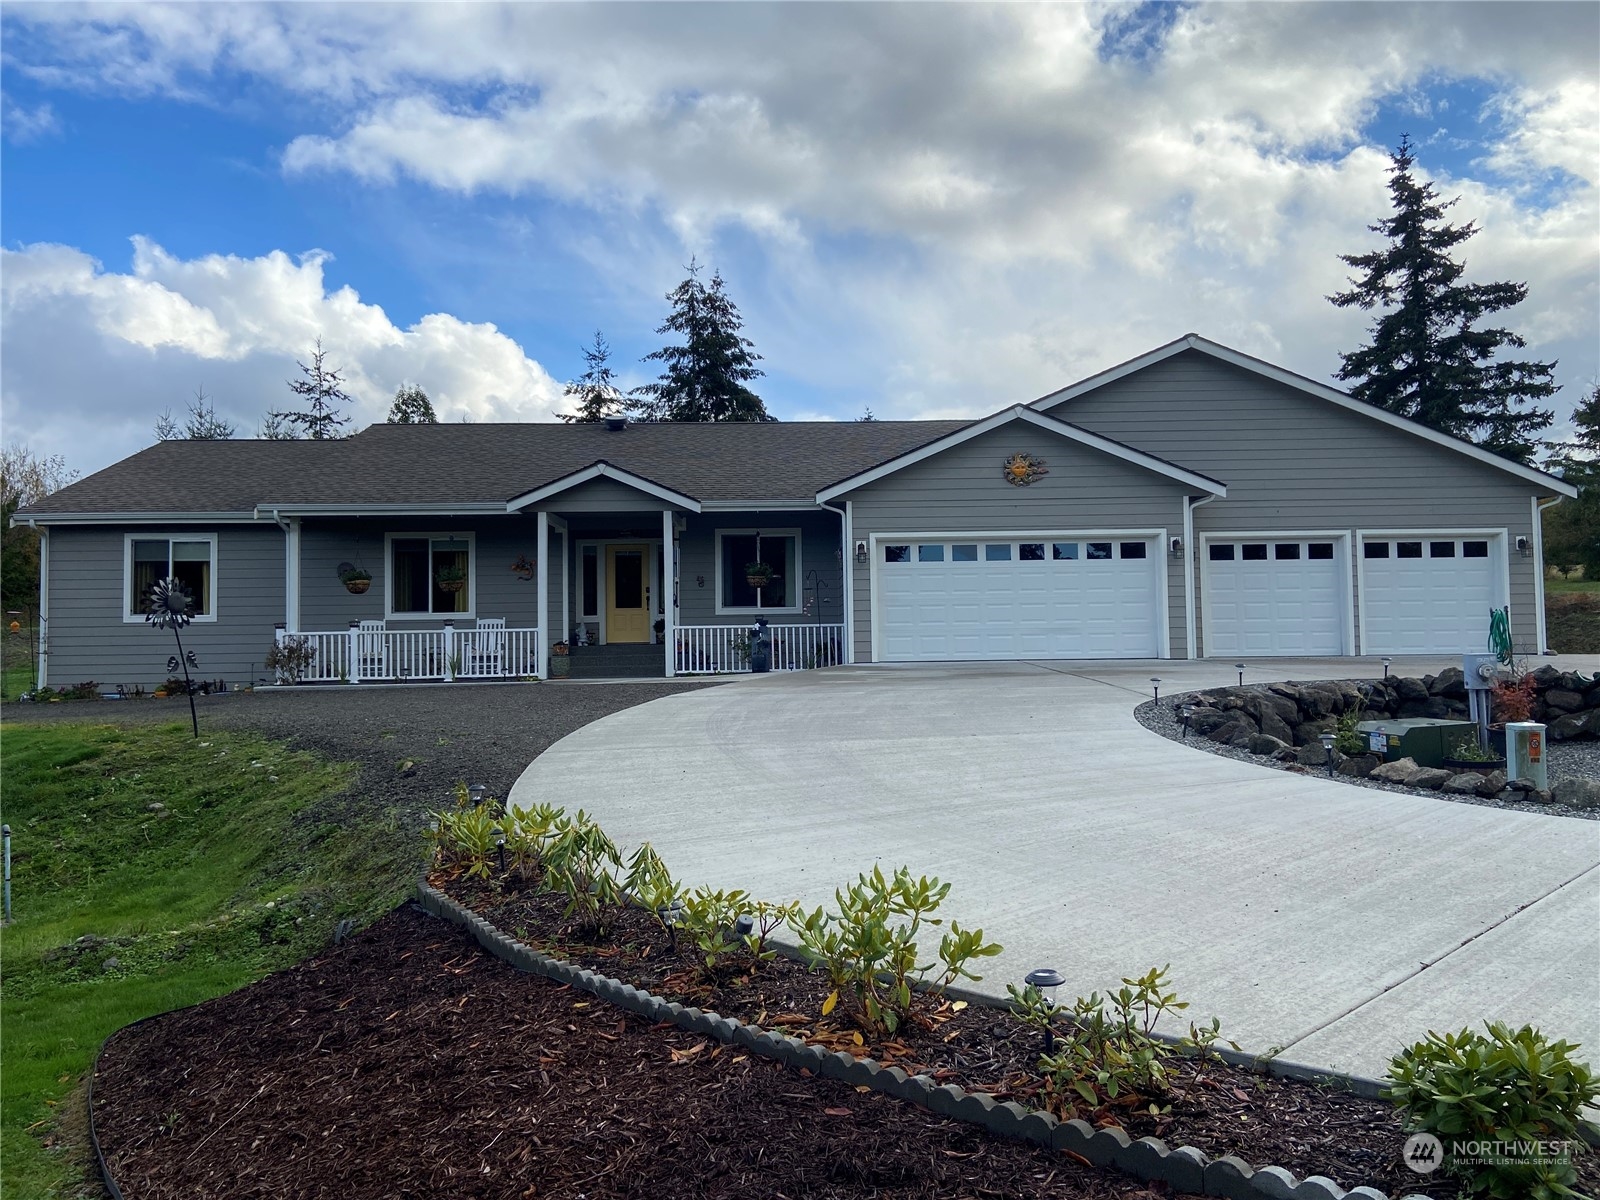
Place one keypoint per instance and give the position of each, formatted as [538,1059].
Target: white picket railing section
[358,655]
[725,649]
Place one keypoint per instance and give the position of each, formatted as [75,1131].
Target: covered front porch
[611,573]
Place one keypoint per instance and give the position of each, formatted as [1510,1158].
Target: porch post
[43,677]
[449,651]
[354,674]
[542,573]
[669,584]
[848,532]
[291,604]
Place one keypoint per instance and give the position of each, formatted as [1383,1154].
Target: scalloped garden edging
[1184,1169]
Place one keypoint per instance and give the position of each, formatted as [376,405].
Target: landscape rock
[1321,700]
[1564,700]
[1407,688]
[1491,784]
[1449,683]
[1464,784]
[1573,725]
[1267,745]
[1576,793]
[1358,766]
[1204,720]
[1397,771]
[1431,778]
[1545,676]
[1307,732]
[1313,755]
[1232,732]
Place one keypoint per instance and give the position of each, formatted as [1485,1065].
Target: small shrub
[581,863]
[1513,699]
[1105,1059]
[650,885]
[1497,1087]
[289,659]
[465,840]
[1347,739]
[708,922]
[869,947]
[527,830]
[87,690]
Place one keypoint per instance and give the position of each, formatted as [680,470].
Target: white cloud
[92,356]
[23,124]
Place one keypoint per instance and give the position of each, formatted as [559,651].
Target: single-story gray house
[1192,502]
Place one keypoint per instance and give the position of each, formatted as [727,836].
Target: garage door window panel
[1222,552]
[897,554]
[1064,551]
[1441,549]
[960,553]
[1099,550]
[997,552]
[1474,549]
[1031,551]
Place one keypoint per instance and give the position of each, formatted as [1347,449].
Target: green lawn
[237,874]
[1555,585]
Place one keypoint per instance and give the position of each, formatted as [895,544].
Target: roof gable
[602,470]
[1332,395]
[1022,412]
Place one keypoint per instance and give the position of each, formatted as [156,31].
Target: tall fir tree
[1572,528]
[202,425]
[1427,359]
[704,377]
[321,391]
[595,392]
[411,407]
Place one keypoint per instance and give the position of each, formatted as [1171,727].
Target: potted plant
[560,661]
[757,574]
[1467,755]
[356,580]
[450,579]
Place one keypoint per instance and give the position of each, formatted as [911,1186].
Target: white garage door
[1427,595]
[990,597]
[1280,597]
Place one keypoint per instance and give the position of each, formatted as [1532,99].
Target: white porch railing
[369,653]
[725,649]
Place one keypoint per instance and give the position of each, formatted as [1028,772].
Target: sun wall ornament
[1022,469]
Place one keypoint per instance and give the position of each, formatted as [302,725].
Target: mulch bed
[1308,1128]
[409,1064]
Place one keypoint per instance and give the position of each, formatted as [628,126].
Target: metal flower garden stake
[169,609]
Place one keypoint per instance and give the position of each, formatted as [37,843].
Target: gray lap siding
[962,490]
[88,638]
[1294,462]
[820,552]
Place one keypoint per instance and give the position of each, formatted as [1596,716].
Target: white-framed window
[589,581]
[430,575]
[190,558]
[737,549]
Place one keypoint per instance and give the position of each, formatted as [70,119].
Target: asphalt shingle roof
[474,464]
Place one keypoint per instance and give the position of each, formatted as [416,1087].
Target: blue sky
[928,210]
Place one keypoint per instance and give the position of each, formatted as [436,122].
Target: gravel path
[1565,758]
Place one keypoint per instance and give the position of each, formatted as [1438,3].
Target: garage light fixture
[1045,981]
[861,553]
[1524,547]
[1327,740]
[1175,547]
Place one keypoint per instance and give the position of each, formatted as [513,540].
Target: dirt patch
[1572,622]
[408,1063]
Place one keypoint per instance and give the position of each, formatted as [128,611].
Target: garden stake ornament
[168,608]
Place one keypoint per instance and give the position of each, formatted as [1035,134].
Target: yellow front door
[627,594]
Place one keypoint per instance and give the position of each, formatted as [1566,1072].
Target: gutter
[43,534]
[1190,503]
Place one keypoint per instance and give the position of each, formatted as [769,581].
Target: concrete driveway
[1330,924]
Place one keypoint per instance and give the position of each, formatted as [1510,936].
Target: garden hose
[1500,634]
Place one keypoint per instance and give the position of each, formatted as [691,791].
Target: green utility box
[1422,739]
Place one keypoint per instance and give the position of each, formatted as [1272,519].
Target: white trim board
[1341,538]
[601,470]
[1021,412]
[1256,366]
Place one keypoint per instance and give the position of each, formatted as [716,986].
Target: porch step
[611,662]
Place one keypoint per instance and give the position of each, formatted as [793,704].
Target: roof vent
[616,424]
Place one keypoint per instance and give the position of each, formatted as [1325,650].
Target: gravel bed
[1565,758]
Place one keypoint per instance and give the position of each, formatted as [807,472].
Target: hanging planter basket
[356,579]
[357,587]
[450,581]
[757,575]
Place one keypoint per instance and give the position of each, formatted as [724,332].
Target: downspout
[1189,571]
[43,533]
[291,570]
[1538,568]
[847,571]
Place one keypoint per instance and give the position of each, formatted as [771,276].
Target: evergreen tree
[1426,359]
[25,478]
[273,429]
[866,416]
[1572,528]
[595,392]
[411,407]
[704,377]
[203,425]
[320,390]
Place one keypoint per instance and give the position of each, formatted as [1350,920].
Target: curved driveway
[1329,922]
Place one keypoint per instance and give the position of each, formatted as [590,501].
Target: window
[1099,550]
[191,560]
[1474,549]
[997,552]
[896,554]
[589,582]
[1031,551]
[963,553]
[1286,550]
[780,552]
[1374,549]
[1255,552]
[430,576]
[1320,550]
[1131,550]
[1062,551]
[933,553]
[1408,549]
[1222,553]
[1441,549]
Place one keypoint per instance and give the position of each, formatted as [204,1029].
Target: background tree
[1427,359]
[866,415]
[595,392]
[411,407]
[705,376]
[1572,528]
[320,390]
[203,425]
[25,478]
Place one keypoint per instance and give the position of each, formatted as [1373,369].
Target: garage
[1274,597]
[1429,593]
[994,596]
